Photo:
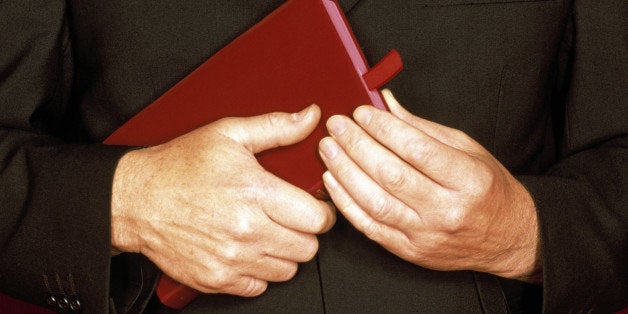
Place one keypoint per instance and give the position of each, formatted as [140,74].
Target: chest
[486,67]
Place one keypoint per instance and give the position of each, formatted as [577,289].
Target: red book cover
[302,53]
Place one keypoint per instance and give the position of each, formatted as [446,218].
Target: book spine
[351,46]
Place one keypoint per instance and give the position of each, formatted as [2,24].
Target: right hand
[207,214]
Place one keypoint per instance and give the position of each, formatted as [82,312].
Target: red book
[302,53]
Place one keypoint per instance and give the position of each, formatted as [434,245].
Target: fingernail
[387,94]
[336,125]
[329,148]
[390,98]
[300,116]
[363,114]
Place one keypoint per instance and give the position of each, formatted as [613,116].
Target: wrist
[124,194]
[524,262]
[532,266]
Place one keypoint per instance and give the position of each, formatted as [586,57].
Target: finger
[287,244]
[447,135]
[246,286]
[386,168]
[231,272]
[226,281]
[294,208]
[268,268]
[271,130]
[442,163]
[377,203]
[390,238]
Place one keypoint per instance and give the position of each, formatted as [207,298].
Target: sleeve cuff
[581,245]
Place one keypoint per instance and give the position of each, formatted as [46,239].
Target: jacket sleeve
[55,187]
[582,201]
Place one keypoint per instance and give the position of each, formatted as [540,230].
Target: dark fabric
[541,84]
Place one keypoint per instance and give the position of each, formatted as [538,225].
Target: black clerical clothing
[541,84]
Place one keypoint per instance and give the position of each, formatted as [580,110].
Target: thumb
[273,129]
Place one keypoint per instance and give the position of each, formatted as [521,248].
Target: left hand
[429,194]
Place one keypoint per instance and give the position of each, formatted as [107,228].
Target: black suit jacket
[540,83]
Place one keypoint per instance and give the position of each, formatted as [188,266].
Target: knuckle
[380,207]
[221,123]
[310,249]
[357,144]
[221,279]
[244,228]
[419,151]
[371,230]
[252,287]
[274,119]
[231,253]
[224,125]
[481,183]
[461,136]
[394,178]
[455,220]
[322,220]
[288,272]
[386,129]
[230,127]
[318,222]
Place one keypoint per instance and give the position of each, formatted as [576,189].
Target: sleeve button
[75,304]
[63,303]
[51,300]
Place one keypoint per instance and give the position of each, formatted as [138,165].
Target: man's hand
[429,194]
[203,209]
